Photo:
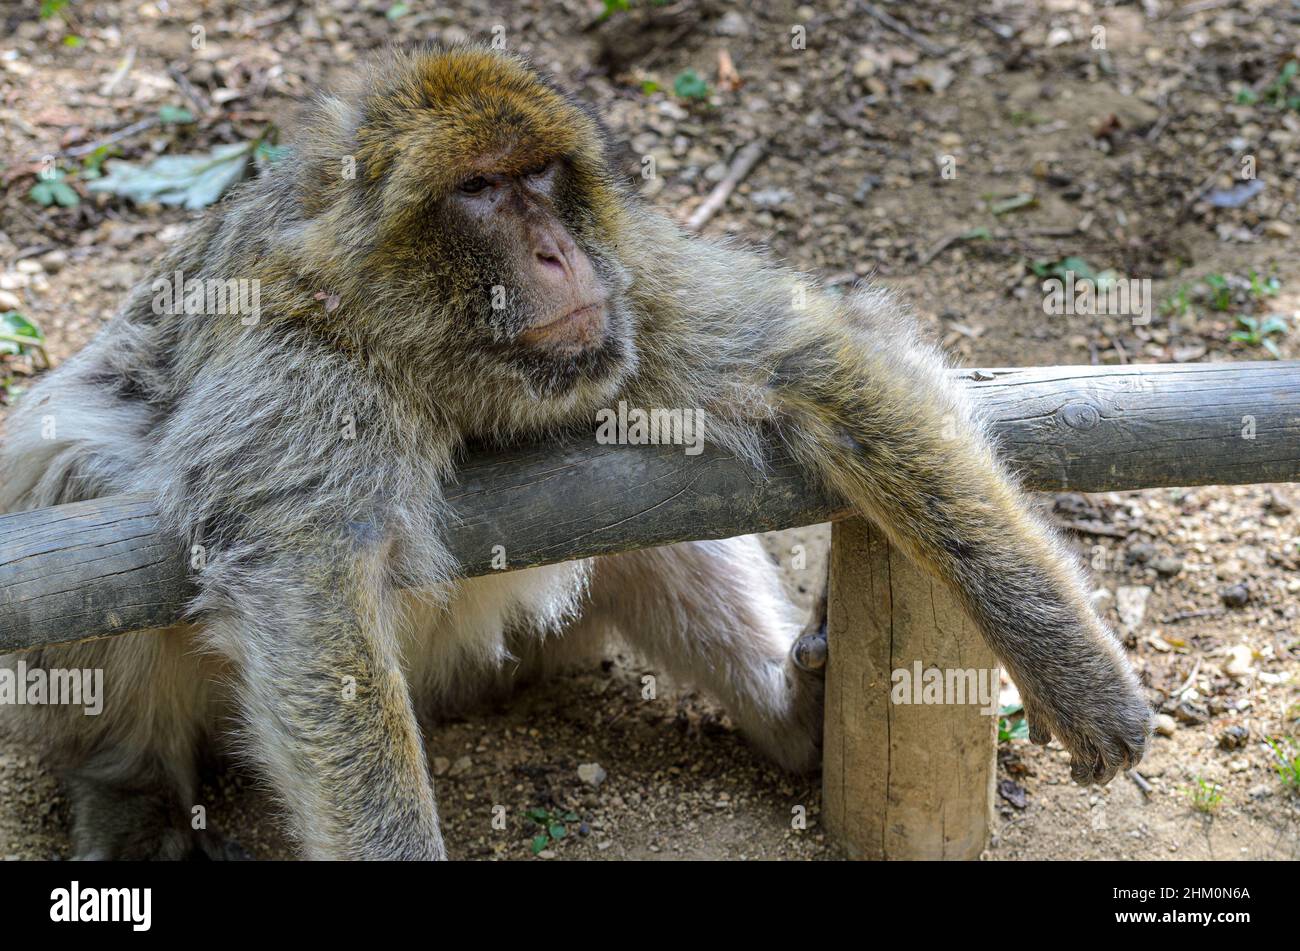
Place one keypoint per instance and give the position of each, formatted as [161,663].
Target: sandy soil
[1125,143]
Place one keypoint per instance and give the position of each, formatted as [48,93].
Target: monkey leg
[324,701]
[714,614]
[875,417]
[128,755]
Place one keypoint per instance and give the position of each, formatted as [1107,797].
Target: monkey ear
[329,164]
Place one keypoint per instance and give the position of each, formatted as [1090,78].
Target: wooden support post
[901,781]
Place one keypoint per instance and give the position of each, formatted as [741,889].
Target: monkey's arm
[325,704]
[870,411]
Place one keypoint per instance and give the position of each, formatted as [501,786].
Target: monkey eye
[472,186]
[537,171]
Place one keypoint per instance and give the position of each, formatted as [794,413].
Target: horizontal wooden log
[96,568]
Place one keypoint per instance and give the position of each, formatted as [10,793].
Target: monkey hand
[1097,711]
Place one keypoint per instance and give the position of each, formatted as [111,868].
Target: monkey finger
[1105,771]
[1082,770]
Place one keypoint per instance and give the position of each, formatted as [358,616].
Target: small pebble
[1235,596]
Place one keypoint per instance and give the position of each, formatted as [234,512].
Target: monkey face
[497,210]
[553,307]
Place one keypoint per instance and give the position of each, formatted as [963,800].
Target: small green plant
[552,826]
[1264,287]
[1207,796]
[1081,269]
[51,9]
[51,189]
[689,85]
[18,335]
[1221,291]
[1279,93]
[175,115]
[92,166]
[1287,763]
[1008,730]
[1178,303]
[1259,333]
[1023,117]
[397,11]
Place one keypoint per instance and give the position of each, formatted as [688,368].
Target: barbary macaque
[485,277]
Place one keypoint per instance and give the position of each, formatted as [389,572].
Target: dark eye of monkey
[537,170]
[473,186]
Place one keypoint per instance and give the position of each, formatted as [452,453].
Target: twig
[1188,615]
[270,19]
[30,344]
[33,251]
[118,74]
[952,239]
[741,166]
[192,95]
[1191,679]
[1202,6]
[662,47]
[125,133]
[928,47]
[1139,781]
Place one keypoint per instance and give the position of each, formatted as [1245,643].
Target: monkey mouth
[571,333]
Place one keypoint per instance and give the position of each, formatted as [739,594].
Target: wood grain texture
[99,567]
[902,780]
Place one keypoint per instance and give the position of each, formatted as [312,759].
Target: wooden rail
[893,786]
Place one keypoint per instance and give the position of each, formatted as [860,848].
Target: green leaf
[91,164]
[688,85]
[614,6]
[397,10]
[42,193]
[175,115]
[22,333]
[71,40]
[1080,267]
[570,817]
[557,831]
[64,194]
[51,8]
[539,842]
[1009,731]
[977,234]
[191,181]
[1011,709]
[1011,204]
[1271,346]
[1274,325]
[540,816]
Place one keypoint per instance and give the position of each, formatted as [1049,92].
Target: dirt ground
[887,151]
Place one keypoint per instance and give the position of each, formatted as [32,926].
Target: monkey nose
[553,261]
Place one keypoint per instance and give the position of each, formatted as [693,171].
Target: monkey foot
[810,651]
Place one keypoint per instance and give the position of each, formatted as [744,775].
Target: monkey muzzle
[571,333]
